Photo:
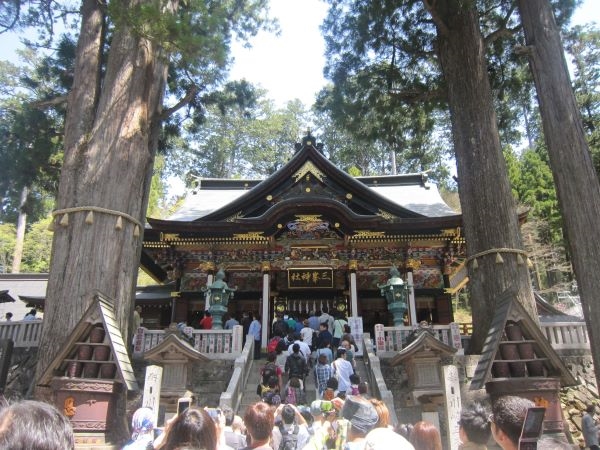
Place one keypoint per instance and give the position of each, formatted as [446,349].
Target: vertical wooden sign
[152,386]
[452,405]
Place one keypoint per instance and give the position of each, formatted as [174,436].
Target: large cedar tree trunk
[110,140]
[21,224]
[488,208]
[574,176]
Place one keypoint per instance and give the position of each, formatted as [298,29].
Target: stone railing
[24,333]
[566,335]
[394,339]
[232,396]
[224,344]
[377,386]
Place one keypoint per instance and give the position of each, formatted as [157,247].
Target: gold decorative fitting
[386,215]
[307,189]
[258,235]
[305,169]
[265,266]
[279,226]
[353,264]
[349,196]
[308,217]
[412,264]
[368,234]
[169,236]
[233,218]
[337,224]
[269,198]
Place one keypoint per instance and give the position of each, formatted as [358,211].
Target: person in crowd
[31,315]
[347,336]
[137,318]
[331,390]
[299,324]
[306,333]
[363,388]
[313,321]
[304,349]
[234,430]
[319,410]
[245,322]
[290,432]
[349,352]
[216,414]
[322,373]
[271,369]
[324,335]
[230,323]
[272,395]
[254,331]
[338,330]
[142,430]
[325,349]
[508,415]
[259,420]
[354,382]
[282,354]
[589,428]
[192,428]
[280,326]
[474,427]
[405,429]
[291,322]
[31,424]
[382,412]
[326,318]
[342,370]
[207,321]
[425,436]
[385,439]
[362,418]
[295,365]
[8,317]
[294,394]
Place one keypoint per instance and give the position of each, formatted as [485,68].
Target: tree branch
[416,95]
[43,104]
[180,104]
[430,5]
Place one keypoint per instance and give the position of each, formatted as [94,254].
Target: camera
[214,413]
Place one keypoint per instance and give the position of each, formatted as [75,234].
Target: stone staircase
[249,396]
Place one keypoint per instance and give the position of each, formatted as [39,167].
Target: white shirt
[343,369]
[304,349]
[307,334]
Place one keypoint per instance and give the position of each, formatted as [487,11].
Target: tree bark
[111,135]
[488,208]
[21,224]
[576,181]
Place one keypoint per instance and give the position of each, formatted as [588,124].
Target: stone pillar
[353,266]
[412,305]
[266,295]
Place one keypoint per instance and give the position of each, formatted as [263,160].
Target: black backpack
[269,370]
[297,365]
[289,441]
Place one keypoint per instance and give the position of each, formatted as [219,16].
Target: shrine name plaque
[303,278]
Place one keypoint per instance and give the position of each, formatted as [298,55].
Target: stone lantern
[219,293]
[395,292]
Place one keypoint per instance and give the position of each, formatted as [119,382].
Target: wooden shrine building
[310,236]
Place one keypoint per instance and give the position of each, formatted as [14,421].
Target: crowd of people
[352,423]
[355,422]
[343,416]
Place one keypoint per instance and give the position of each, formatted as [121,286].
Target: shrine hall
[307,237]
